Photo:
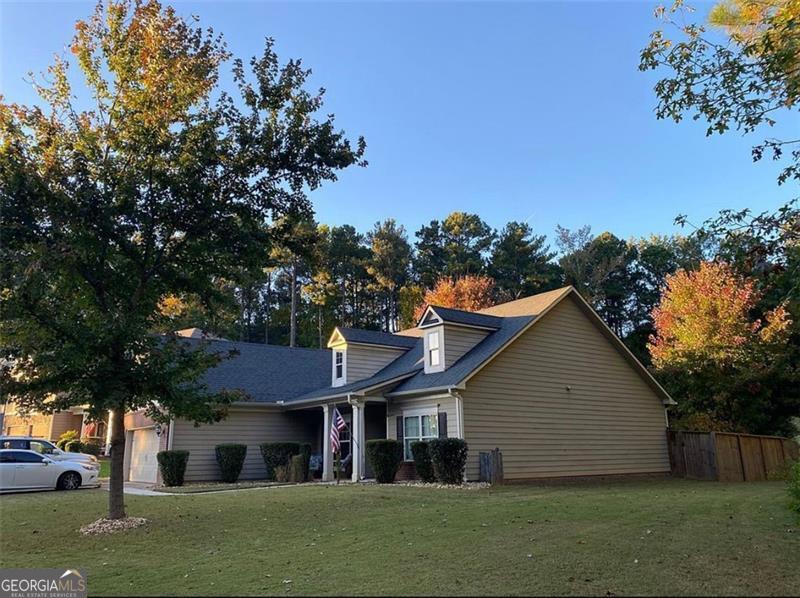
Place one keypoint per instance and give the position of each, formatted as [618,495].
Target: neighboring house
[542,378]
[51,426]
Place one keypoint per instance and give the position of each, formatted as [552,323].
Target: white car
[45,447]
[28,470]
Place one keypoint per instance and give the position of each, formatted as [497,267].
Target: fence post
[713,463]
[763,459]
[741,457]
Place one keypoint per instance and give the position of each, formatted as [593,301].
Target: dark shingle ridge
[468,318]
[375,337]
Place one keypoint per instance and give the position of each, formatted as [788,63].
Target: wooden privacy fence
[728,457]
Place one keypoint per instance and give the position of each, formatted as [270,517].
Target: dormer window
[339,364]
[434,353]
[338,368]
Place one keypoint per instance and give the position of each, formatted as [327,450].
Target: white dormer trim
[335,353]
[431,339]
[429,318]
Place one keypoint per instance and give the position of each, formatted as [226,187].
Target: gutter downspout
[459,417]
[459,411]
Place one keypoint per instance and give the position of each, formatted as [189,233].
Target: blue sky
[526,111]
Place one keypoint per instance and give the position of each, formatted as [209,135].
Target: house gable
[562,400]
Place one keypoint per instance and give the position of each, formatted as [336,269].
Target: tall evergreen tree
[429,256]
[522,263]
[389,265]
[466,240]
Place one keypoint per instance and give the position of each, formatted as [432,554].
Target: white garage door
[143,456]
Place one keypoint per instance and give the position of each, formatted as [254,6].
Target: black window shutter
[442,424]
[399,419]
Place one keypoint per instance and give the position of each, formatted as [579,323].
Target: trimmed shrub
[90,448]
[385,457]
[277,454]
[173,466]
[66,437]
[422,461]
[74,446]
[794,487]
[231,460]
[449,457]
[298,468]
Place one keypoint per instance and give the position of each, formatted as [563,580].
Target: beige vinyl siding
[363,362]
[458,341]
[245,426]
[609,422]
[441,403]
[64,421]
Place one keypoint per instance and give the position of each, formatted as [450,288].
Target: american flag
[337,425]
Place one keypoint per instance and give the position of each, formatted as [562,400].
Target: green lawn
[105,468]
[631,537]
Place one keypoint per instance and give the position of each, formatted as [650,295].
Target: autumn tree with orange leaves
[728,367]
[469,293]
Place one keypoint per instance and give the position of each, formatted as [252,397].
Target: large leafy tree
[745,82]
[658,256]
[726,363]
[162,187]
[521,263]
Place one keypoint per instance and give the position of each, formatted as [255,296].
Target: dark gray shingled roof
[410,365]
[267,373]
[421,381]
[373,337]
[468,318]
[406,364]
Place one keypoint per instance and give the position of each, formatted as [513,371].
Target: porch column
[358,440]
[327,456]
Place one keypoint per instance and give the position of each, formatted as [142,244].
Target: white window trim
[434,411]
[334,380]
[432,369]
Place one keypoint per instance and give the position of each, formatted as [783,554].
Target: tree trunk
[342,318]
[268,307]
[116,494]
[293,315]
[319,326]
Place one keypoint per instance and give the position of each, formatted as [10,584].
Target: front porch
[365,419]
